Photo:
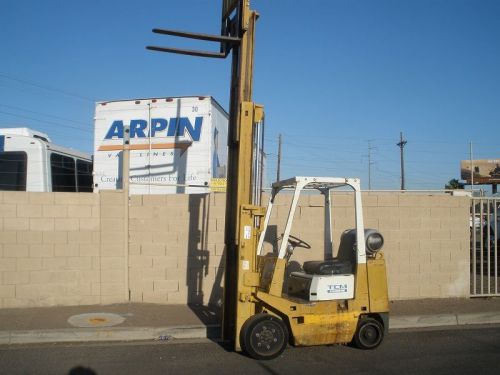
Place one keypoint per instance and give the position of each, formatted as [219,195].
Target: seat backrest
[347,249]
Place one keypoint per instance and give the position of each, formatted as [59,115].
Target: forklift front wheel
[369,334]
[264,336]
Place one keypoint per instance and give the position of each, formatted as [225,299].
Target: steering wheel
[297,242]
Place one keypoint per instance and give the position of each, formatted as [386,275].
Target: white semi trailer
[177,145]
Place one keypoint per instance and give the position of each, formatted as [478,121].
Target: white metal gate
[485,246]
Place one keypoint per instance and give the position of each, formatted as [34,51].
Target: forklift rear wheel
[369,334]
[264,336]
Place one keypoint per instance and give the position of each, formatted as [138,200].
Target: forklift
[336,300]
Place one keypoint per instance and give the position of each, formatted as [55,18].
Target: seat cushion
[327,267]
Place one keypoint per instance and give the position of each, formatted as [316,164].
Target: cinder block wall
[426,238]
[176,248]
[69,249]
[49,249]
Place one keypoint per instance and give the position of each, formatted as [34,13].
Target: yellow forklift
[340,299]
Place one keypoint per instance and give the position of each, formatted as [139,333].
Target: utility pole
[402,143]
[126,194]
[370,148]
[278,169]
[471,168]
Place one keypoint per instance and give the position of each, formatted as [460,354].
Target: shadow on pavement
[80,370]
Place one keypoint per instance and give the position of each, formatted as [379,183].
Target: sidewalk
[134,321]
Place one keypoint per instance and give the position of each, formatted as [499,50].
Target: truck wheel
[369,334]
[263,336]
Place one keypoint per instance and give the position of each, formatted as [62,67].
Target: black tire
[264,336]
[369,334]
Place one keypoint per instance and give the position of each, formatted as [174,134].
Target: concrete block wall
[176,248]
[49,249]
[426,238]
[429,249]
[112,251]
[70,249]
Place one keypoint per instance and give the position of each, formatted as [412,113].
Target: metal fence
[485,246]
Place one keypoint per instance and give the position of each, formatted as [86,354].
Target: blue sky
[334,76]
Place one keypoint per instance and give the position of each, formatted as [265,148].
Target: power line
[47,88]
[46,122]
[43,114]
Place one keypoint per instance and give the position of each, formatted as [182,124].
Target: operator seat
[343,263]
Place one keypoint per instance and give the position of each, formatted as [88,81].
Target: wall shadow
[198,260]
[203,279]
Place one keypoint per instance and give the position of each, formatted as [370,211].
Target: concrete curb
[106,334]
[479,318]
[443,320]
[422,321]
[212,331]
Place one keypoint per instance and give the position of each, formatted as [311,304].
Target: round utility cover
[92,320]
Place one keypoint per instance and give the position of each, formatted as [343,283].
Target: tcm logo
[175,127]
[337,288]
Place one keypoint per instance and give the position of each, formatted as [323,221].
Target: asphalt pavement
[152,322]
[450,351]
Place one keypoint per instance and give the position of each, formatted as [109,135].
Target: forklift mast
[246,118]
